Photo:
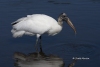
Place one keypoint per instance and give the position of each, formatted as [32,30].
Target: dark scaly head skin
[64,17]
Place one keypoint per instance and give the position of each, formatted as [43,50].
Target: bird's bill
[70,24]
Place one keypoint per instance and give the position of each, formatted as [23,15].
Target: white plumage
[35,24]
[38,24]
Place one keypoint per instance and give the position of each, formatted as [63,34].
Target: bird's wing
[17,21]
[32,23]
[37,23]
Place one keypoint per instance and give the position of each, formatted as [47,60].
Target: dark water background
[85,15]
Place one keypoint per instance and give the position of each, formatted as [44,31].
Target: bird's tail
[17,33]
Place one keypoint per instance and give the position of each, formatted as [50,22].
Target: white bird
[38,24]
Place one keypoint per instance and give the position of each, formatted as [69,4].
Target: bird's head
[64,17]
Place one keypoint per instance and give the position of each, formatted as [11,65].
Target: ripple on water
[58,2]
[81,49]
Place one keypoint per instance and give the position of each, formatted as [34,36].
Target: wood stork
[38,24]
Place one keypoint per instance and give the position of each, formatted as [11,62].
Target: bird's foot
[38,56]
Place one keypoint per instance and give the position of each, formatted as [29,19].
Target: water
[84,14]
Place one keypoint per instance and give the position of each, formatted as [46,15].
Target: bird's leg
[40,42]
[36,46]
[41,52]
[40,46]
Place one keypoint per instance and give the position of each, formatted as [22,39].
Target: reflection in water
[73,63]
[32,60]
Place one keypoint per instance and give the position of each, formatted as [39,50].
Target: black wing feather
[14,23]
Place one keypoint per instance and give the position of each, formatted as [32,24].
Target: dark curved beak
[70,24]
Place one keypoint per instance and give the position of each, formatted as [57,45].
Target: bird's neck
[60,22]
